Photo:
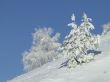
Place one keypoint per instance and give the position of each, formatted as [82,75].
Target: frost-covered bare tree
[43,50]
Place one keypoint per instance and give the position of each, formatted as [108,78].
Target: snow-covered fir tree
[79,41]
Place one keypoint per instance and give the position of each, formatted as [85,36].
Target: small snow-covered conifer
[79,41]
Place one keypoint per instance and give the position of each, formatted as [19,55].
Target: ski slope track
[95,71]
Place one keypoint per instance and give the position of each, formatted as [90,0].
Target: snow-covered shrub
[43,50]
[106,28]
[79,41]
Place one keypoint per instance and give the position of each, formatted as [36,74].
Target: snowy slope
[95,71]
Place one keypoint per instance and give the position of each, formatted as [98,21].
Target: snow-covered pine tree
[89,40]
[79,41]
[70,43]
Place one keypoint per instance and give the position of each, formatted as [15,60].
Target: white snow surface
[95,71]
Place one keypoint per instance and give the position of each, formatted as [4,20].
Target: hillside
[95,71]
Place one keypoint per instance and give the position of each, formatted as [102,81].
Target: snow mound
[95,71]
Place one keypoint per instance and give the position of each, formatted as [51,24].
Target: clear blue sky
[18,18]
